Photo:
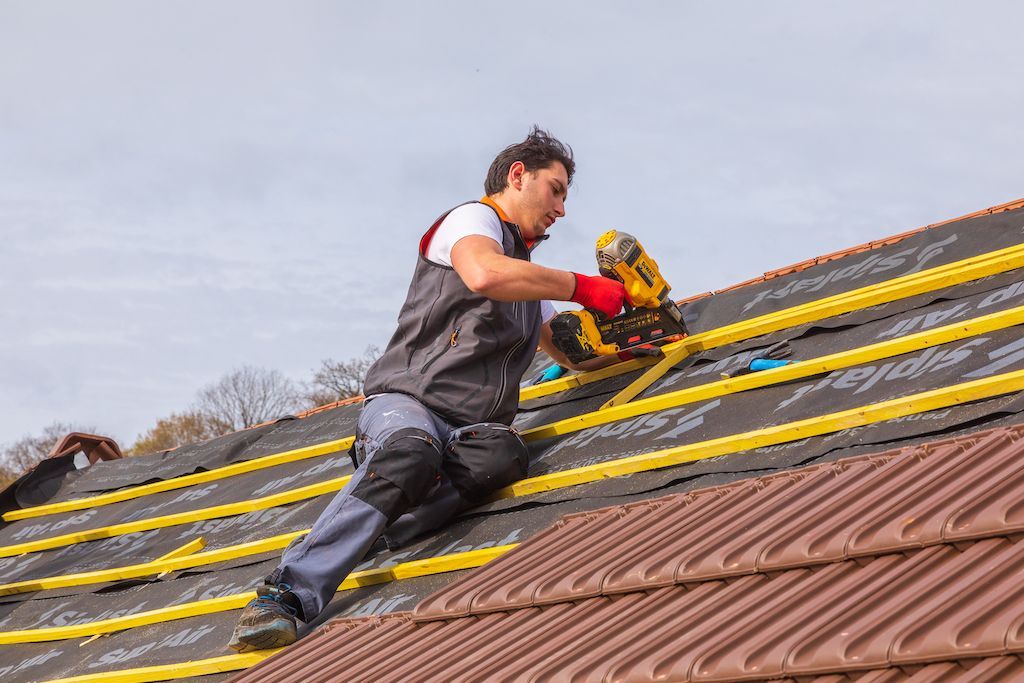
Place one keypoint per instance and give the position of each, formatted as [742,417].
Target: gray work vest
[460,354]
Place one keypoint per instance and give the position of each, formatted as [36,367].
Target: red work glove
[602,294]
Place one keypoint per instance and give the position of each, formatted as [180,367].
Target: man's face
[542,199]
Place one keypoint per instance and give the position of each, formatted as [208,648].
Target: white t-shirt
[471,219]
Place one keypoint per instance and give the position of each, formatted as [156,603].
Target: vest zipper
[516,236]
[508,357]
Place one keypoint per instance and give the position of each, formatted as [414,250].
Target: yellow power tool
[651,318]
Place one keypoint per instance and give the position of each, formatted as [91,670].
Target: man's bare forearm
[487,271]
[510,279]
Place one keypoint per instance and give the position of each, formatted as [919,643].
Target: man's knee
[483,458]
[401,473]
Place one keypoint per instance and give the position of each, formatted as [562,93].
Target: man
[433,436]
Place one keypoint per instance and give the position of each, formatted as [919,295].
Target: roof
[915,340]
[878,562]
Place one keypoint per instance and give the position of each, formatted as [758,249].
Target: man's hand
[599,293]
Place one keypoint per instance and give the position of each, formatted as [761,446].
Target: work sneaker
[268,621]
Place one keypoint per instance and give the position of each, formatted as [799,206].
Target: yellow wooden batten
[793,431]
[941,277]
[170,672]
[136,571]
[400,572]
[998,261]
[794,371]
[193,546]
[226,510]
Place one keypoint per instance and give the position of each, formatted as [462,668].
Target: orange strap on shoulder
[494,205]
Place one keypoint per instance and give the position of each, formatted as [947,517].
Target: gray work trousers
[344,532]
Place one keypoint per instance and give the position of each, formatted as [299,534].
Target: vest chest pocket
[445,343]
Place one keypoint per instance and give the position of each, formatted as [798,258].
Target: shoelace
[274,598]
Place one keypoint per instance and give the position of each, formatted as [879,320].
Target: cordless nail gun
[651,318]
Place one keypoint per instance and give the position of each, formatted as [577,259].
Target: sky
[189,187]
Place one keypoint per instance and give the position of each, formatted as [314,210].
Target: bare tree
[248,396]
[17,457]
[177,430]
[337,380]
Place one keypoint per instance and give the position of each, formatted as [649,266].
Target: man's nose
[560,208]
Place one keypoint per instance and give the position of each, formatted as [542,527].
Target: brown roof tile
[892,501]
[904,565]
[987,669]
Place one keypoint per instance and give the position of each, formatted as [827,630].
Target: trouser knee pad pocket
[410,459]
[483,458]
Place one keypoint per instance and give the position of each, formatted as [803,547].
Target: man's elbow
[481,282]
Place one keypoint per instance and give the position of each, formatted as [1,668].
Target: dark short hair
[538,151]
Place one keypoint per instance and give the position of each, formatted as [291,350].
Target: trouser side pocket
[483,458]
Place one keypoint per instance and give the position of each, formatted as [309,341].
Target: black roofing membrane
[383,598]
[115,474]
[925,250]
[514,520]
[110,552]
[934,367]
[897,318]
[825,342]
[257,484]
[686,424]
[879,435]
[839,333]
[287,435]
[249,444]
[931,368]
[146,546]
[49,612]
[167,643]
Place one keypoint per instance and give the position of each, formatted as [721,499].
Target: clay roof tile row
[893,501]
[938,603]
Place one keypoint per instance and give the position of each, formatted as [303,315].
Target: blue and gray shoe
[268,621]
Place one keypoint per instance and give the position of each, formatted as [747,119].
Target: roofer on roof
[433,436]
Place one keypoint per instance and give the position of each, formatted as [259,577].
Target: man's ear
[515,174]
